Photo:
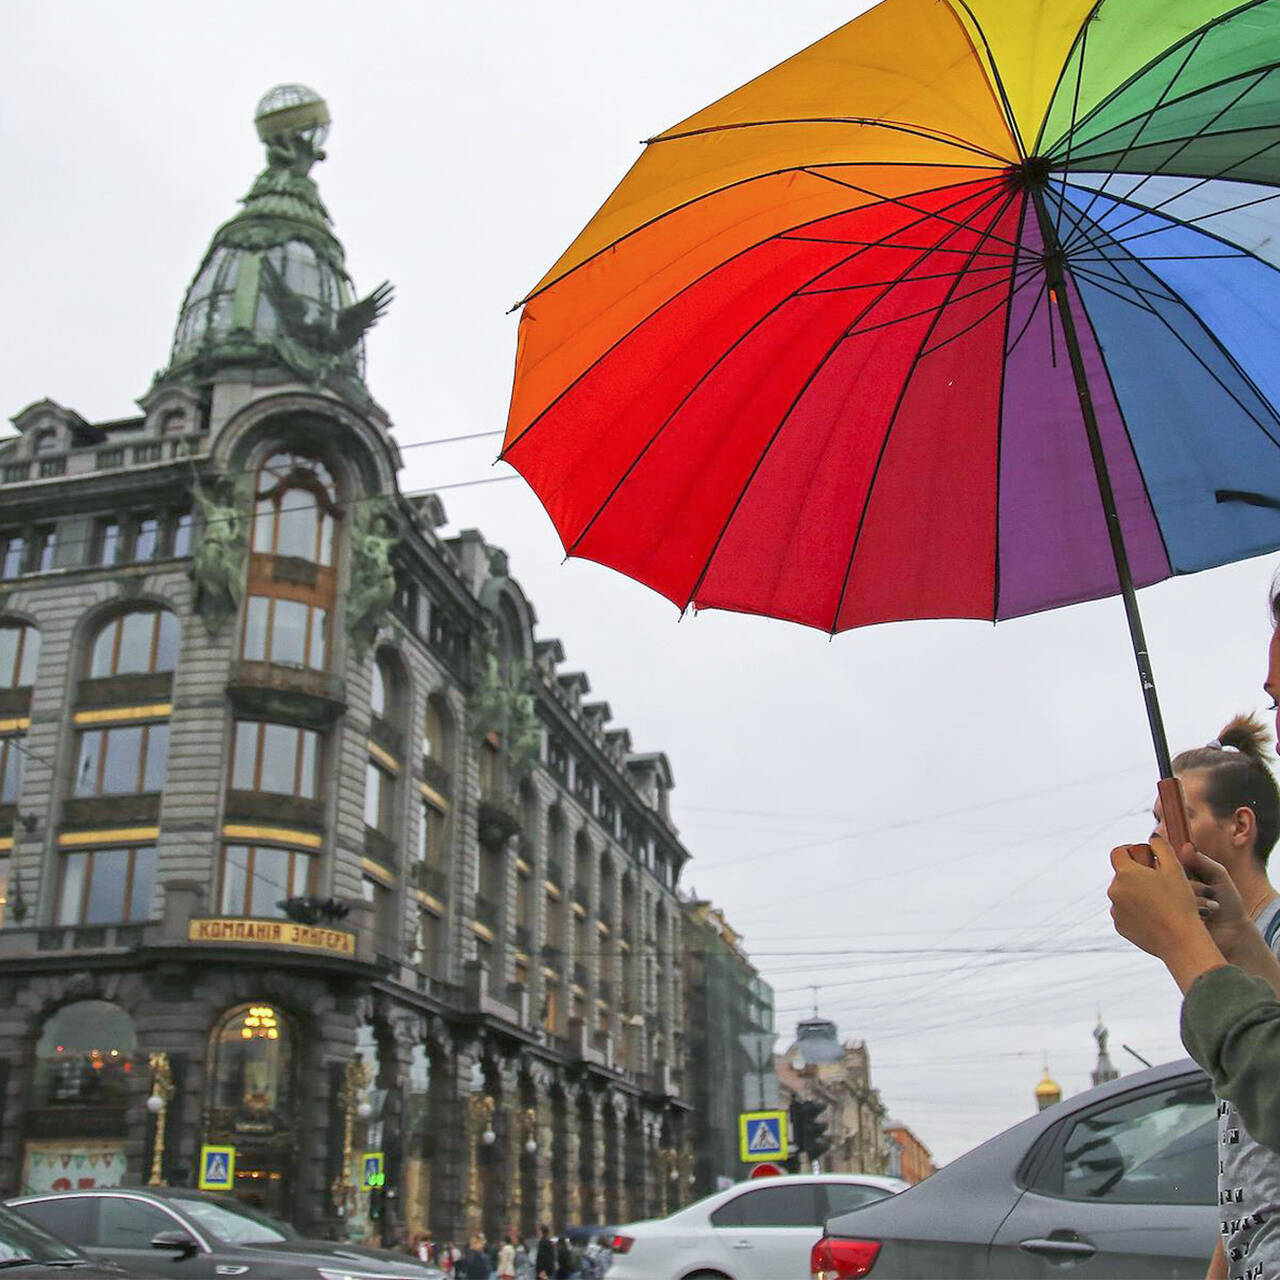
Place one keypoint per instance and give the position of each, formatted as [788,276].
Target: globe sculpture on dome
[272,297]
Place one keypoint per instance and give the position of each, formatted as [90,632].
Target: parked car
[29,1252]
[172,1231]
[760,1230]
[1118,1181]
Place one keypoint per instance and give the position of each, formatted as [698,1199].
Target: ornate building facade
[310,849]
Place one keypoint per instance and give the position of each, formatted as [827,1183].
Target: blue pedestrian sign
[372,1170]
[762,1135]
[217,1168]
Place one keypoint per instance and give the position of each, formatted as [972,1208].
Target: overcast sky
[915,817]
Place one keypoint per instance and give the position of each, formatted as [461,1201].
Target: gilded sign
[272,933]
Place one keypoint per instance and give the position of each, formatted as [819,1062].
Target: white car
[761,1230]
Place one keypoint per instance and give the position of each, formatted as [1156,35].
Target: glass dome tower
[272,291]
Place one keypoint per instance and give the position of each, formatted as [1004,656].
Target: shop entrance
[251,1104]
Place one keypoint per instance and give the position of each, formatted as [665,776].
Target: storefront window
[253,1063]
[85,1056]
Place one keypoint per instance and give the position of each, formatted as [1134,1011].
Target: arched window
[296,509]
[291,579]
[388,689]
[437,733]
[251,1067]
[85,1056]
[19,653]
[137,642]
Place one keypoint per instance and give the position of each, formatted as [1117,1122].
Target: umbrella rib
[870,244]
[870,122]
[1010,347]
[1011,122]
[1208,233]
[1004,375]
[808,382]
[1263,70]
[635,462]
[1155,61]
[1184,222]
[877,284]
[1030,268]
[1184,144]
[860,330]
[1141,209]
[730,186]
[1172,295]
[1146,120]
[884,445]
[1081,36]
[898,200]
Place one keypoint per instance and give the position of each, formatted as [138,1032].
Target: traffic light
[809,1129]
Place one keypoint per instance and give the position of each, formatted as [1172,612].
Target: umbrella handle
[1173,808]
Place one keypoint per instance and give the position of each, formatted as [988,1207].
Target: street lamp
[158,1106]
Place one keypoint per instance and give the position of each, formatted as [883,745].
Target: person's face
[1211,835]
[1271,685]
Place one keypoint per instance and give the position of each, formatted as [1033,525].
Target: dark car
[29,1252]
[1118,1181]
[170,1231]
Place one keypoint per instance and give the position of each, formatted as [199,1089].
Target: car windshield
[21,1238]
[232,1223]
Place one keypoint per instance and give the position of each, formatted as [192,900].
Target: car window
[783,1206]
[69,1217]
[1156,1149]
[20,1238]
[130,1224]
[843,1196]
[233,1223]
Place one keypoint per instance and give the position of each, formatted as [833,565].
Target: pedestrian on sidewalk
[544,1261]
[507,1260]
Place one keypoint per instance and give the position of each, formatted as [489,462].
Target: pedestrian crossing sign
[762,1135]
[372,1173]
[217,1168]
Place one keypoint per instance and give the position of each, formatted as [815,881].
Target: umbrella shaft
[1058,293]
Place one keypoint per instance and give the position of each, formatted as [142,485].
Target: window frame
[299,748]
[25,631]
[306,868]
[116,621]
[144,759]
[66,858]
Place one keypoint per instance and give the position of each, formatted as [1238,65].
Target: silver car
[1119,1182]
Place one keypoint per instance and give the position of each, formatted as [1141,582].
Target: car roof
[151,1193]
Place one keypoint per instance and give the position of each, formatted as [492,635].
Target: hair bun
[1246,734]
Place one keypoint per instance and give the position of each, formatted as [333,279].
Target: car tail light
[622,1244]
[835,1259]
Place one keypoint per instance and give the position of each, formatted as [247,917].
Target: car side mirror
[176,1241]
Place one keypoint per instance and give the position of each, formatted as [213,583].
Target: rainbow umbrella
[967,310]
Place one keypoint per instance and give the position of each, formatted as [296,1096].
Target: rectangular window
[379,792]
[44,547]
[427,942]
[431,833]
[11,759]
[180,534]
[13,548]
[275,757]
[286,632]
[383,902]
[118,761]
[257,878]
[4,886]
[106,543]
[146,538]
[107,886]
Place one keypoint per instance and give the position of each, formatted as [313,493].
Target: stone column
[509,1149]
[454,1156]
[572,1164]
[615,1179]
[653,1188]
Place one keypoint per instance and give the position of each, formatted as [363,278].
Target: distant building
[1048,1091]
[1104,1069]
[728,1041]
[819,1068]
[908,1157]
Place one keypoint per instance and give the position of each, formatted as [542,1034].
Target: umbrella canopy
[885,333]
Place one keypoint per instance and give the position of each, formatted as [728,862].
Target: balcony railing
[436,776]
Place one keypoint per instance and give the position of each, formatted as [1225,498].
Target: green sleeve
[1231,1027]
